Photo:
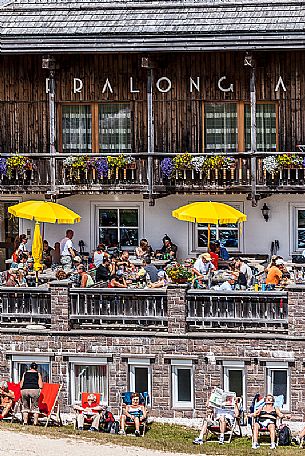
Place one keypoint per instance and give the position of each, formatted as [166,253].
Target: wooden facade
[178,114]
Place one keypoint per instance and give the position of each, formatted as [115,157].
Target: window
[76,128]
[300,213]
[88,377]
[228,234]
[227,127]
[118,227]
[104,127]
[140,375]
[220,120]
[278,381]
[265,127]
[182,384]
[234,378]
[21,363]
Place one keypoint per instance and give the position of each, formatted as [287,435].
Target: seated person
[46,254]
[214,255]
[85,278]
[275,273]
[99,255]
[6,400]
[168,248]
[144,250]
[203,265]
[135,413]
[117,280]
[90,410]
[222,417]
[161,282]
[55,254]
[124,262]
[150,269]
[266,417]
[221,251]
[243,267]
[103,271]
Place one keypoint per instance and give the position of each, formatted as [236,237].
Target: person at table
[46,254]
[117,280]
[161,282]
[203,265]
[275,273]
[55,254]
[144,250]
[150,269]
[85,279]
[221,251]
[23,248]
[124,263]
[169,248]
[103,272]
[245,269]
[214,255]
[67,250]
[99,255]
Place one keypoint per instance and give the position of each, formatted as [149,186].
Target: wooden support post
[253,134]
[52,130]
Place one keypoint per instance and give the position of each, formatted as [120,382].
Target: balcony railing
[242,310]
[118,308]
[20,307]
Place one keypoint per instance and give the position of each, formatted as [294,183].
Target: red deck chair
[48,403]
[88,419]
[15,387]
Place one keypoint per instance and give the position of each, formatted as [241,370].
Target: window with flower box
[227,127]
[95,127]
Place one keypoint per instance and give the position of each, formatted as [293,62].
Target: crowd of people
[142,268]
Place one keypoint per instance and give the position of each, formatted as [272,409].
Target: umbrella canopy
[209,212]
[44,211]
[37,248]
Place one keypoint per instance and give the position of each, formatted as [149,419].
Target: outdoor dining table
[160,264]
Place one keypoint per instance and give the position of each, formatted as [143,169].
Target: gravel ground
[18,444]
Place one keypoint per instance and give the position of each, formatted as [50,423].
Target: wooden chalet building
[156,83]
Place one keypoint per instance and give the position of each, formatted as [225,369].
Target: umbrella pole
[42,231]
[209,235]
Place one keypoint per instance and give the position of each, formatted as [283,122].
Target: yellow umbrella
[37,248]
[44,211]
[209,212]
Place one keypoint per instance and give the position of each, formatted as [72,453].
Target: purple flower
[303,164]
[3,166]
[167,167]
[101,166]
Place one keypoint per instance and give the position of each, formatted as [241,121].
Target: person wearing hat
[203,265]
[169,248]
[90,410]
[6,400]
[275,273]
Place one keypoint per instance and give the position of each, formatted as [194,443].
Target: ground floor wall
[255,236]
[182,369]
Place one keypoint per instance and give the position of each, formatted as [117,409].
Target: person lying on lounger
[6,400]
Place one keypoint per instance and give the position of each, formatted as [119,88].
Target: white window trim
[140,363]
[237,366]
[193,240]
[97,205]
[181,364]
[293,212]
[73,361]
[25,359]
[278,366]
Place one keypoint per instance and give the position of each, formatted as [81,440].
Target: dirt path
[19,444]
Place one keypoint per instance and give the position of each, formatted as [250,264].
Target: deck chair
[48,403]
[15,387]
[84,404]
[126,400]
[279,402]
[232,429]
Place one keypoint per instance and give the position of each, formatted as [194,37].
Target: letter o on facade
[169,84]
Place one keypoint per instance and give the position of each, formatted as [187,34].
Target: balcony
[144,176]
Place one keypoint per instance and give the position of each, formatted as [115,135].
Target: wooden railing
[20,307]
[127,309]
[237,311]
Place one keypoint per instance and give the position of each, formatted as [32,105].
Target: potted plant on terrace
[179,273]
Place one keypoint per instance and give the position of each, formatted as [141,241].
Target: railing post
[60,300]
[176,308]
[296,310]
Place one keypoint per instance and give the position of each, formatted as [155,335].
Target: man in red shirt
[214,255]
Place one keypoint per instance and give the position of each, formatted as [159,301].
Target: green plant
[183,161]
[178,271]
[119,161]
[285,160]
[19,163]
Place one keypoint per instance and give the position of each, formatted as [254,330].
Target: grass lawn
[164,437]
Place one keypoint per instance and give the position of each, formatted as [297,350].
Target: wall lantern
[265,211]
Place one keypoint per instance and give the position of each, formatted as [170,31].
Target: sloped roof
[150,25]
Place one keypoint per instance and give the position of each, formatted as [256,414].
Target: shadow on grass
[162,437]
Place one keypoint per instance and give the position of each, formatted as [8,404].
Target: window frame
[82,361]
[28,359]
[294,208]
[175,366]
[278,366]
[241,134]
[194,228]
[95,134]
[139,363]
[233,365]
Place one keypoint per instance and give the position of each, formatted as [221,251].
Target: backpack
[284,436]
